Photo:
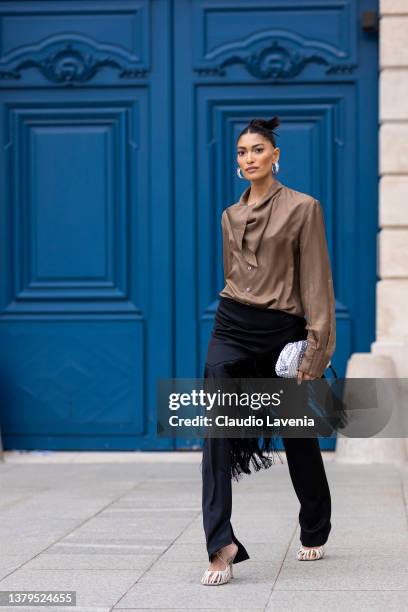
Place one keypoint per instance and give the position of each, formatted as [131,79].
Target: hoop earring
[275,167]
[239,173]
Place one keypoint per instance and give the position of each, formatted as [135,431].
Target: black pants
[246,342]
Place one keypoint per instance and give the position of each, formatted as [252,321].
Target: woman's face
[255,156]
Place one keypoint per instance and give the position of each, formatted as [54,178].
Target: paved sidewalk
[124,530]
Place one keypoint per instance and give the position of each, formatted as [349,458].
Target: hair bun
[266,124]
[265,127]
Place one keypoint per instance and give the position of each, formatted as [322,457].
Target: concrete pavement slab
[337,601]
[238,595]
[129,535]
[93,587]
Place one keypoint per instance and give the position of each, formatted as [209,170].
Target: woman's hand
[304,376]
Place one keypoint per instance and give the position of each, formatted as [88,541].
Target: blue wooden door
[118,129]
[316,66]
[86,225]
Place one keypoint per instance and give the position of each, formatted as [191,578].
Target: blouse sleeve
[225,246]
[317,293]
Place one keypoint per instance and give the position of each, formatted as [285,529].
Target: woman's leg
[216,480]
[308,476]
[309,479]
[217,498]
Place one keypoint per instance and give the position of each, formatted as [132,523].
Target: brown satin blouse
[275,256]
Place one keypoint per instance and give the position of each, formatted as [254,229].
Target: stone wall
[389,352]
[392,289]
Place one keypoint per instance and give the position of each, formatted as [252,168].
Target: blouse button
[249,267]
[248,288]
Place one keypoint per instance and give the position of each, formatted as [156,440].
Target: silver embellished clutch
[289,359]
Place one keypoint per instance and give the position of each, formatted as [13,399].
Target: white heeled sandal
[216,577]
[310,554]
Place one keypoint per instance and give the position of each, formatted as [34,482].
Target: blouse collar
[275,187]
[248,221]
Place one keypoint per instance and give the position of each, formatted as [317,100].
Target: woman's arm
[316,288]
[225,245]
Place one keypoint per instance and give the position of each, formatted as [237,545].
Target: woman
[278,289]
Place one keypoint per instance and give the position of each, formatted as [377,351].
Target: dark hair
[264,127]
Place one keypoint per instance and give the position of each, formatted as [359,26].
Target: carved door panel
[86,277]
[316,67]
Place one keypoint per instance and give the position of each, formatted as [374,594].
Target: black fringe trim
[247,453]
[255,453]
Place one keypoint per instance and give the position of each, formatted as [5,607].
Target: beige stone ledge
[392,40]
[390,7]
[393,200]
[393,89]
[393,253]
[116,457]
[171,456]
[392,320]
[397,351]
[372,449]
[393,140]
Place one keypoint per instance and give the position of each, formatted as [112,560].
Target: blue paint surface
[119,123]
